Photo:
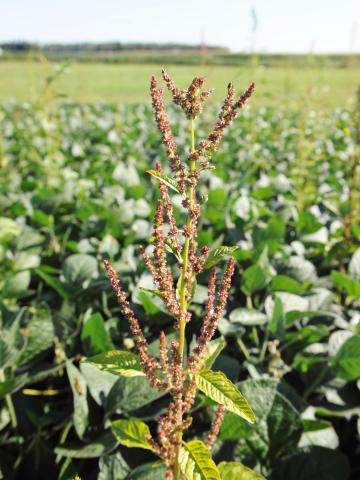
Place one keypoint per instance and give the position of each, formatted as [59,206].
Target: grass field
[322,88]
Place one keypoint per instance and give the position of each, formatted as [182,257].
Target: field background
[321,87]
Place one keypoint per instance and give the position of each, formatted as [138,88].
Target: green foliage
[196,462]
[125,364]
[131,433]
[219,388]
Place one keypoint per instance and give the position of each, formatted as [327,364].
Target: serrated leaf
[237,471]
[217,254]
[196,462]
[125,364]
[168,181]
[213,351]
[132,433]
[219,388]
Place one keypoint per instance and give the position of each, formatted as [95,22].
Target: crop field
[74,191]
[324,88]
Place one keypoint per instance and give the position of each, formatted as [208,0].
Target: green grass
[322,88]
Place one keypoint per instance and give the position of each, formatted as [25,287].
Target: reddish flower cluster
[169,372]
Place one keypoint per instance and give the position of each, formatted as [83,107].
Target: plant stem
[9,404]
[316,382]
[183,285]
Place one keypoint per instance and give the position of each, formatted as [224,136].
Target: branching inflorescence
[171,372]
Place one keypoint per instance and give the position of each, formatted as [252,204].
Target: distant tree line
[85,47]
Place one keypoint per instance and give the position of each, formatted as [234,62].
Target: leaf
[213,351]
[79,269]
[103,445]
[354,265]
[219,388]
[248,317]
[16,285]
[132,433]
[344,282]
[148,471]
[195,459]
[8,229]
[94,336]
[258,276]
[316,463]
[217,254]
[39,335]
[347,361]
[284,283]
[237,471]
[54,283]
[278,428]
[125,364]
[129,394]
[81,407]
[277,322]
[168,181]
[113,467]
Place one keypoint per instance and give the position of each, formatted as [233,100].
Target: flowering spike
[216,425]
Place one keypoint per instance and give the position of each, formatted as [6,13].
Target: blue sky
[282,26]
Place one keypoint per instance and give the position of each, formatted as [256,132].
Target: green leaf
[277,322]
[213,351]
[125,364]
[79,269]
[8,229]
[16,285]
[113,467]
[168,181]
[248,317]
[237,471]
[347,360]
[217,254]
[317,463]
[219,388]
[81,407]
[148,471]
[283,283]
[39,335]
[278,426]
[344,282]
[54,283]
[94,335]
[258,276]
[103,445]
[196,462]
[132,433]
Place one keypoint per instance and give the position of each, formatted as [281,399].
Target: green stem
[316,382]
[183,286]
[9,404]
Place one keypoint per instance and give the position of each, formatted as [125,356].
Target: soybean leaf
[354,265]
[219,388]
[317,462]
[277,322]
[168,181]
[94,335]
[284,283]
[344,282]
[347,361]
[113,467]
[61,288]
[217,254]
[81,407]
[131,433]
[248,317]
[125,364]
[103,445]
[148,471]
[196,462]
[79,269]
[237,471]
